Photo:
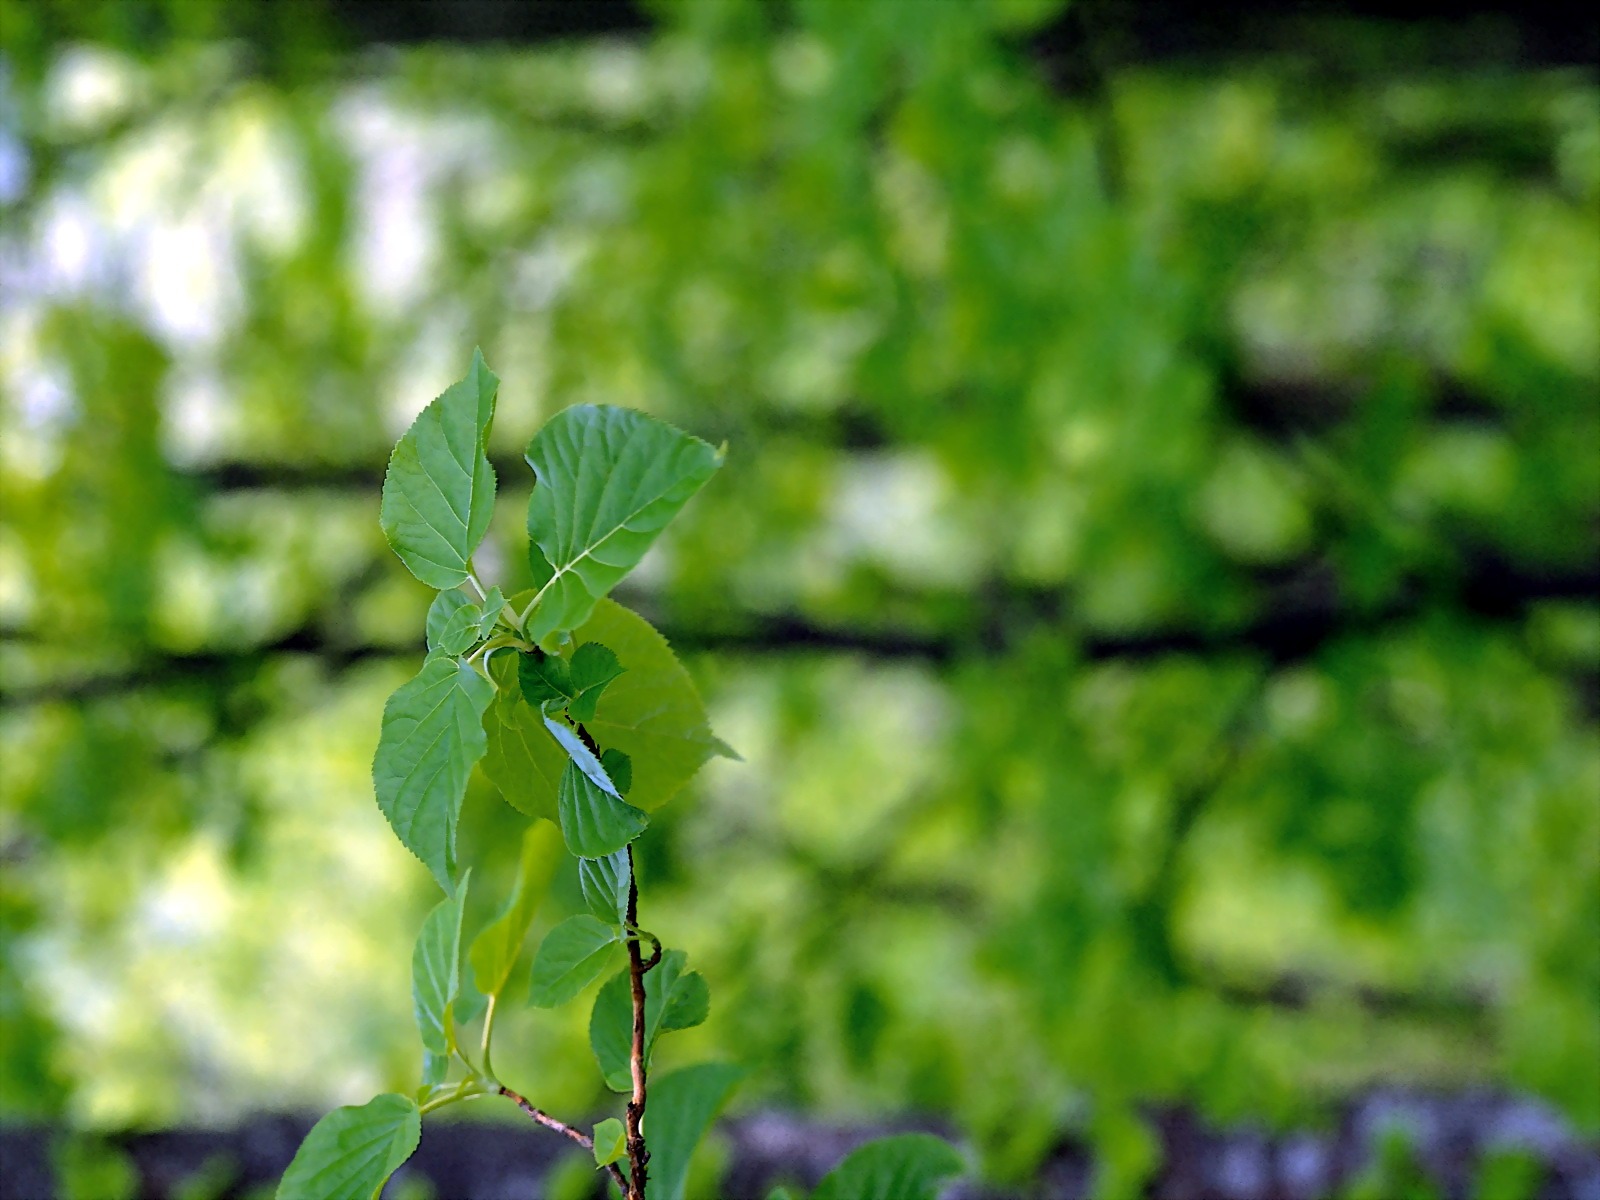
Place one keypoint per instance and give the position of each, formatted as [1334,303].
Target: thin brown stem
[638,1155]
[561,1127]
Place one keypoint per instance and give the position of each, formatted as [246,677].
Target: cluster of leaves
[607,482]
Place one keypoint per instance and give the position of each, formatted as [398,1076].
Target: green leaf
[495,949]
[605,885]
[909,1166]
[682,1107]
[610,1141]
[436,976]
[594,823]
[652,712]
[492,605]
[672,1000]
[593,667]
[521,761]
[609,480]
[460,631]
[618,768]
[571,957]
[432,734]
[544,678]
[441,612]
[351,1152]
[438,492]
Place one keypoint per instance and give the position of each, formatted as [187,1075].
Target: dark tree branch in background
[1291,631]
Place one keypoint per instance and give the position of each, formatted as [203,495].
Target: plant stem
[549,1122]
[488,1032]
[638,1155]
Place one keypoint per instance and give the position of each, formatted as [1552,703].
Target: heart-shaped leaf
[351,1152]
[609,480]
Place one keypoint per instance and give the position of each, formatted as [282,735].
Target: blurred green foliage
[1151,586]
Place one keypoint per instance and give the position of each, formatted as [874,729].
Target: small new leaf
[444,608]
[609,480]
[459,633]
[610,1141]
[432,735]
[593,667]
[493,604]
[351,1152]
[438,492]
[544,678]
[572,956]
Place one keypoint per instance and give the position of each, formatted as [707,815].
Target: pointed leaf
[492,606]
[609,480]
[572,956]
[459,633]
[605,885]
[688,1003]
[652,711]
[610,1141]
[444,607]
[438,492]
[594,823]
[593,667]
[522,761]
[910,1166]
[351,1152]
[669,996]
[682,1107]
[494,951]
[436,974]
[432,734]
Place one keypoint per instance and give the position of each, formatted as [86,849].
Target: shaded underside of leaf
[351,1152]
[494,951]
[652,711]
[432,735]
[521,759]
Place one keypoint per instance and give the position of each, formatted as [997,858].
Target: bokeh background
[1152,586]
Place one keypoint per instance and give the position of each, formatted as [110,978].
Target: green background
[1152,584]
